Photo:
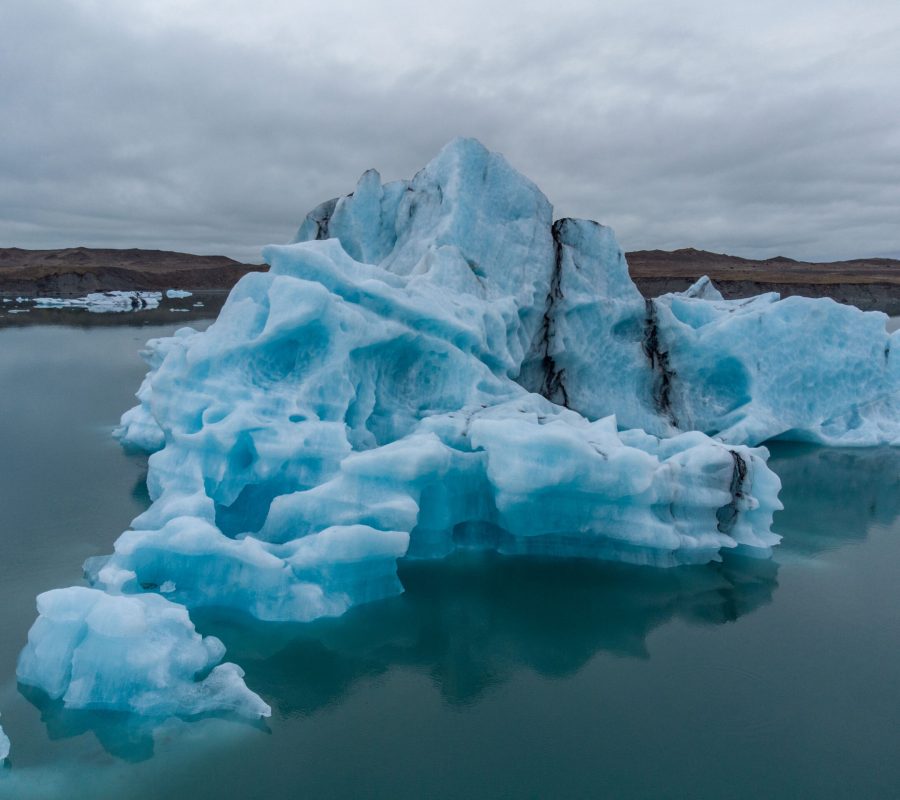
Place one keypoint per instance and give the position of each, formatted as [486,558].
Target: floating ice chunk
[174,294]
[4,745]
[98,651]
[704,289]
[104,302]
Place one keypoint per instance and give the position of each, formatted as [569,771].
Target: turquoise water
[490,677]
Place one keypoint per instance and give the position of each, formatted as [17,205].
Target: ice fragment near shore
[104,302]
[93,650]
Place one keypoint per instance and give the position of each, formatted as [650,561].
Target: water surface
[489,677]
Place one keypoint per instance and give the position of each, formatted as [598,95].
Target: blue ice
[437,364]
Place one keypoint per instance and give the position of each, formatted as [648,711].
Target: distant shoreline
[80,270]
[870,284]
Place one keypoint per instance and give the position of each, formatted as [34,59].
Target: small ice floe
[4,745]
[174,294]
[104,302]
[178,309]
[137,654]
[198,304]
[18,311]
[7,299]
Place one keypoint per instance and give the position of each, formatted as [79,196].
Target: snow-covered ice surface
[104,302]
[436,364]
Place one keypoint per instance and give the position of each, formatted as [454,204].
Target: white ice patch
[104,302]
[174,294]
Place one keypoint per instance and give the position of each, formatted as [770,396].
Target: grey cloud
[674,125]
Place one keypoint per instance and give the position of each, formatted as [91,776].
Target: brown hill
[872,283]
[76,270]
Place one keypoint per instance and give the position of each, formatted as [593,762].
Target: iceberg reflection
[473,620]
[833,496]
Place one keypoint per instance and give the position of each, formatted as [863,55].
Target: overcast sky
[755,128]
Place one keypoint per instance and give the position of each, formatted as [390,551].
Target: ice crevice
[432,365]
[553,385]
[659,363]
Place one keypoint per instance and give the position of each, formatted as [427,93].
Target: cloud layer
[752,129]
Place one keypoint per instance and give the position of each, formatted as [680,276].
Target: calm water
[490,677]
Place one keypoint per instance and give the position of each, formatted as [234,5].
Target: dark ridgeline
[870,284]
[79,270]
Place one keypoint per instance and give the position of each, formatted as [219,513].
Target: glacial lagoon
[490,676]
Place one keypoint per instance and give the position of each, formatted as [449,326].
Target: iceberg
[436,365]
[104,302]
[94,650]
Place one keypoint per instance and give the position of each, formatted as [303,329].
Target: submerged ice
[436,364]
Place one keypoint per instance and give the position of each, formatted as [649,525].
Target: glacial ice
[104,302]
[4,745]
[141,653]
[742,371]
[436,365]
